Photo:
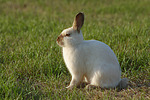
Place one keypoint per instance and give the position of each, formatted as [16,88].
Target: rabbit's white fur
[89,60]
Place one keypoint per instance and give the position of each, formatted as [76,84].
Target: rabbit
[89,60]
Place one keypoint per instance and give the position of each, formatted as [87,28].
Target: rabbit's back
[98,52]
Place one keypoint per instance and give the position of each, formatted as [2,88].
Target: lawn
[31,63]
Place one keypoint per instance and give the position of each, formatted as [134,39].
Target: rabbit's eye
[68,35]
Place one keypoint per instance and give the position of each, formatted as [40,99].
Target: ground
[31,63]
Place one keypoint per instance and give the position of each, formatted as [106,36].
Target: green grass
[31,63]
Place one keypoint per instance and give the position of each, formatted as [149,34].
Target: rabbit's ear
[78,21]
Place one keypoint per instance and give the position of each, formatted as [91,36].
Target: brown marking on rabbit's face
[69,37]
[63,38]
[60,39]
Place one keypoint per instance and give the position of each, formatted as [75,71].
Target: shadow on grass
[131,85]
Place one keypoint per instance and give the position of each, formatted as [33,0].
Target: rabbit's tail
[123,84]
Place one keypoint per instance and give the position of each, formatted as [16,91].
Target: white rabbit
[89,60]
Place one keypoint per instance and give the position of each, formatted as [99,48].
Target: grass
[31,63]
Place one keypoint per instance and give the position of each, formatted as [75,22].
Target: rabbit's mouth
[60,41]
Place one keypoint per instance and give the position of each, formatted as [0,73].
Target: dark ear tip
[80,13]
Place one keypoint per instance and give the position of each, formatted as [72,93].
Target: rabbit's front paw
[70,87]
